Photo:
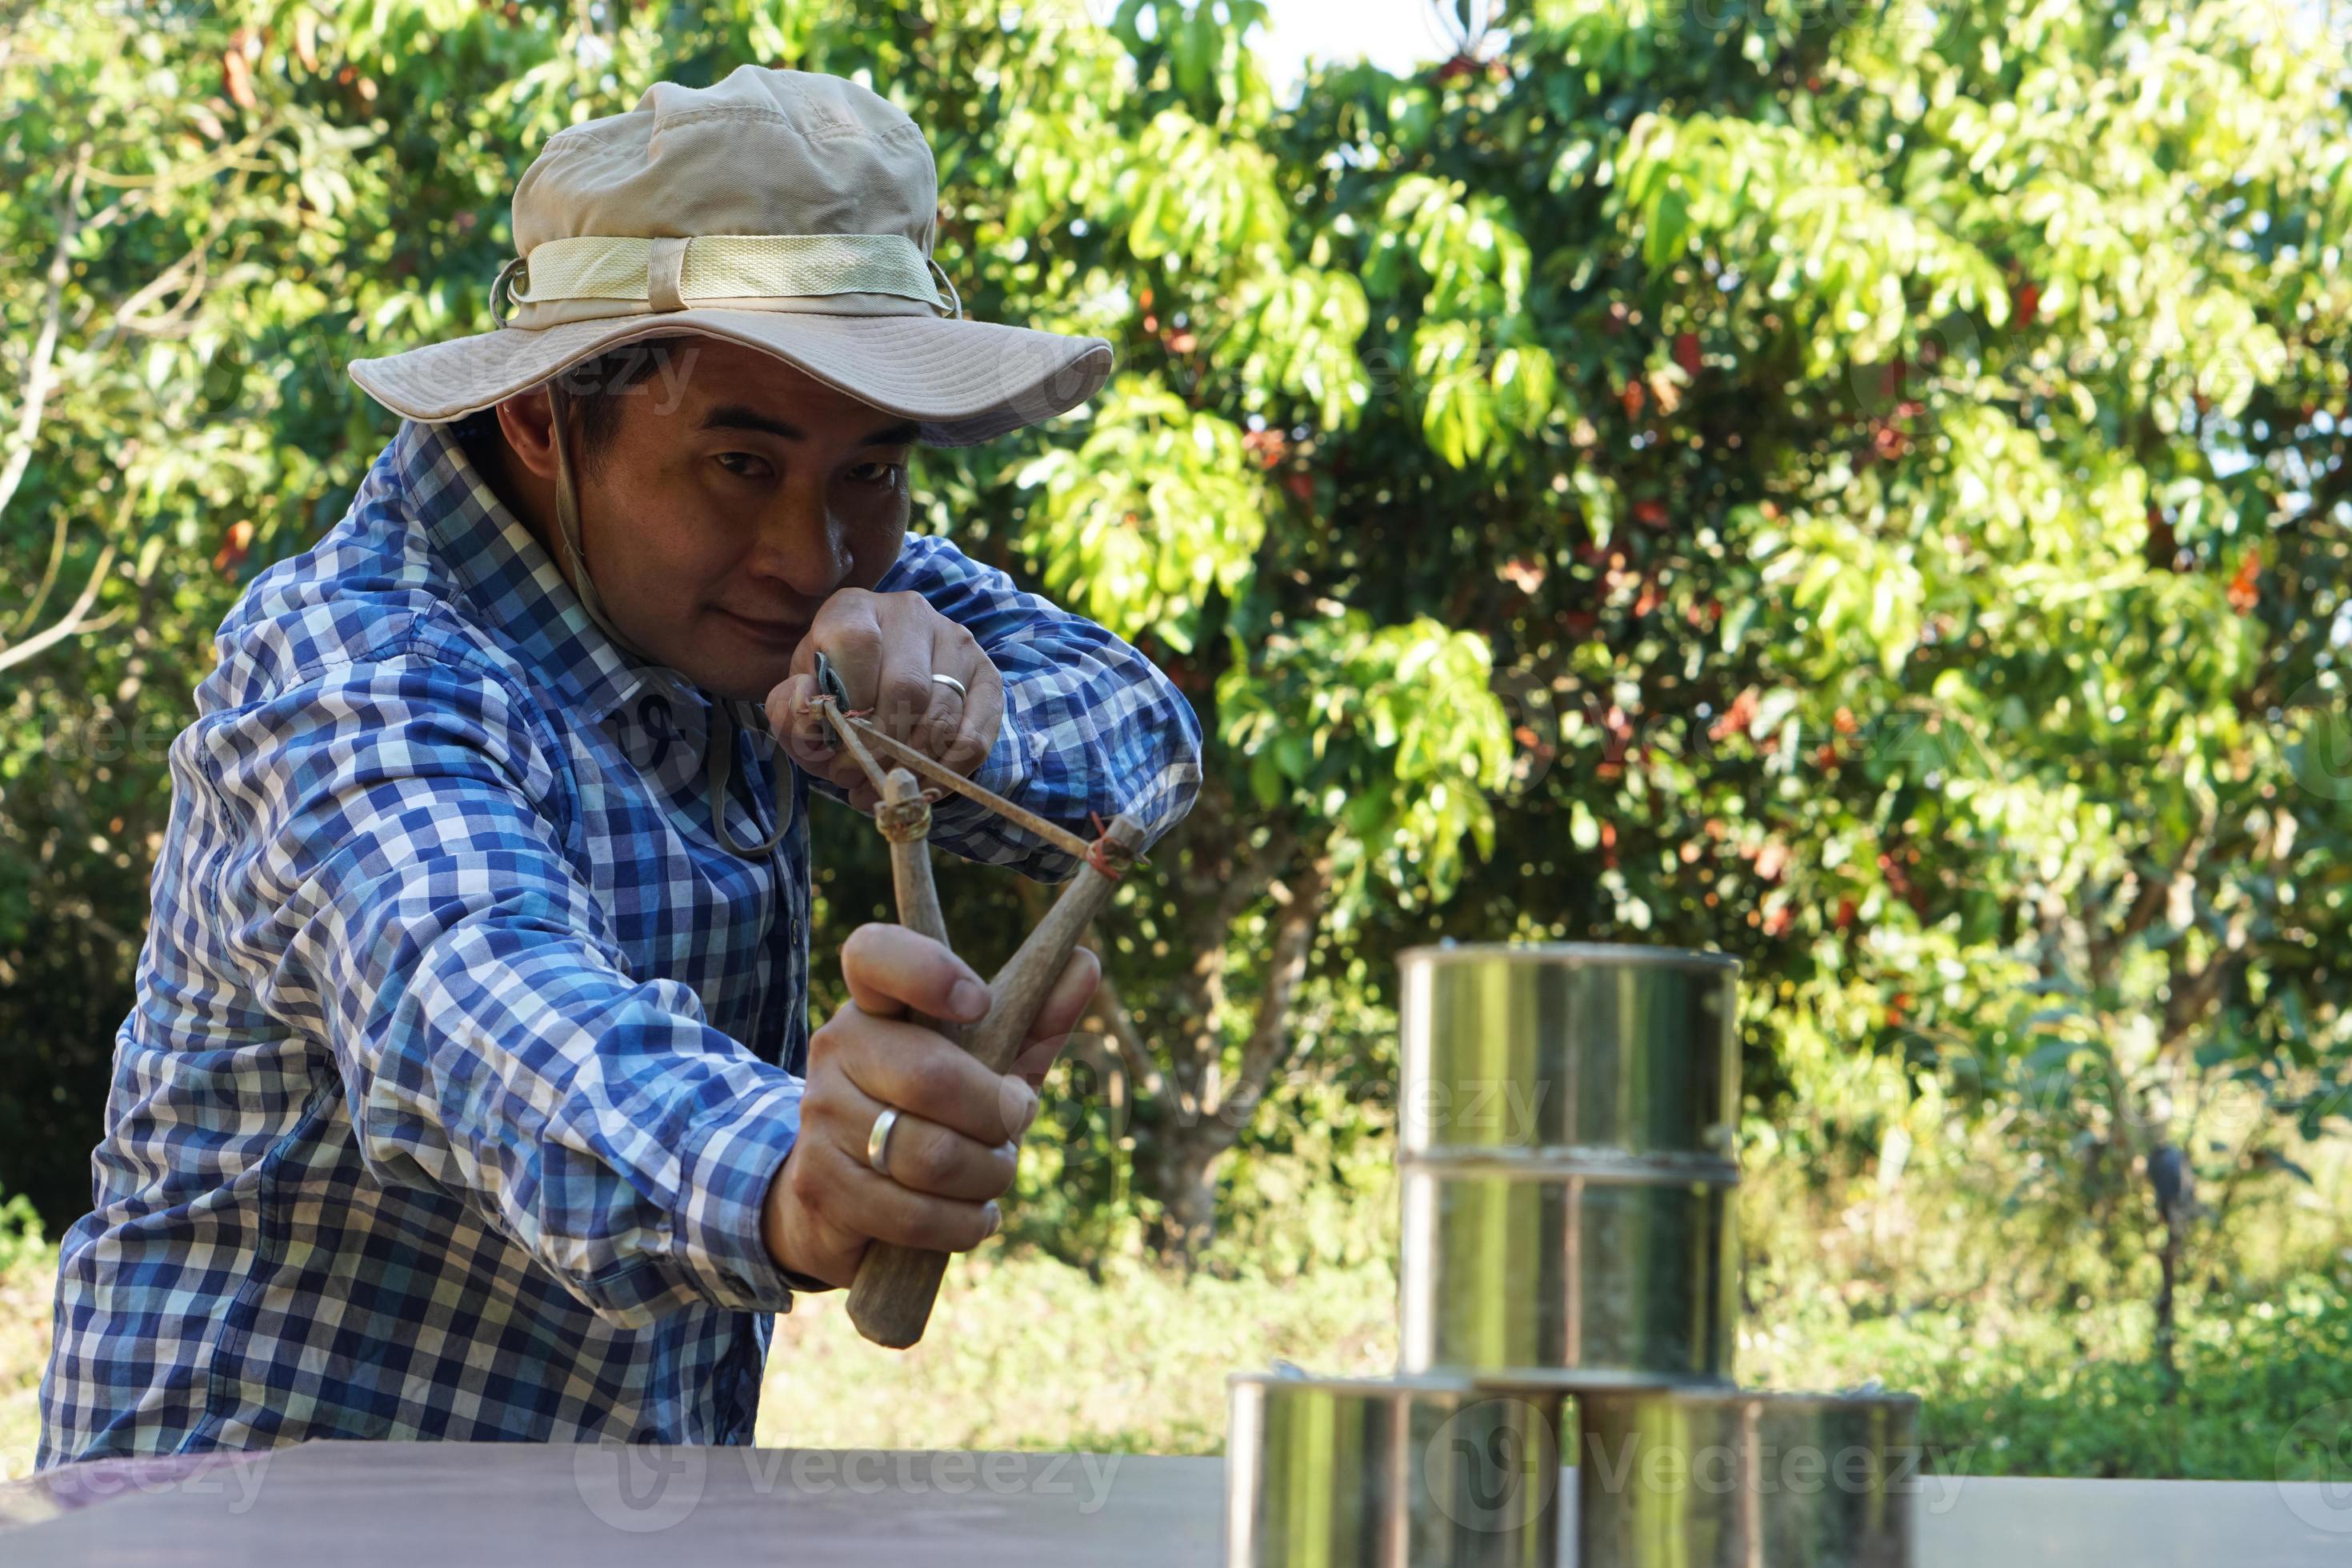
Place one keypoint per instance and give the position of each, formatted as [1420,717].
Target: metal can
[1569,1280]
[1390,1473]
[1569,1116]
[1548,1051]
[1739,1480]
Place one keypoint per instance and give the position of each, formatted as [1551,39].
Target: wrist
[775,1233]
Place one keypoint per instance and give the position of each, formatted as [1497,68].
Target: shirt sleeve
[399,888]
[1091,726]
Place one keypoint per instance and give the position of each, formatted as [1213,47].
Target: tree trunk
[1187,1131]
[1179,1168]
[2176,1233]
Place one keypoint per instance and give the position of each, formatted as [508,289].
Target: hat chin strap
[721,749]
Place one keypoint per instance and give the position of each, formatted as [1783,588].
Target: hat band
[668,275]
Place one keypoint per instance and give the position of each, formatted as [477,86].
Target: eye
[882,475]
[742,465]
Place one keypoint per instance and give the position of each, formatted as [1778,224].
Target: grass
[1029,1352]
[1025,1352]
[28,1268]
[2079,1394]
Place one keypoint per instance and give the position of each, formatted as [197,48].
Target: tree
[1862,487]
[1942,603]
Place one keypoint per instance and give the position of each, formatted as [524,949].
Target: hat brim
[962,381]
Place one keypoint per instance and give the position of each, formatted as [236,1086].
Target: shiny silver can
[1742,1480]
[1569,1280]
[1390,1473]
[1546,1051]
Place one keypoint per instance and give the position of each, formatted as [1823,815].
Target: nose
[798,543]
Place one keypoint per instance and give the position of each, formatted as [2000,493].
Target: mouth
[783,635]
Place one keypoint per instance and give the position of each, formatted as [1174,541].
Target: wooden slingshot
[890,1301]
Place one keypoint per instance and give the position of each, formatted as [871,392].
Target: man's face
[723,511]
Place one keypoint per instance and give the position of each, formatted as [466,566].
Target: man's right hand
[953,1150]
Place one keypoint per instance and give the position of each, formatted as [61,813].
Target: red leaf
[1686,352]
[236,540]
[1735,717]
[238,76]
[2245,588]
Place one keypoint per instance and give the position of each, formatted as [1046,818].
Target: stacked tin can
[1568,1119]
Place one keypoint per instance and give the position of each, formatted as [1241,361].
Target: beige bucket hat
[790,212]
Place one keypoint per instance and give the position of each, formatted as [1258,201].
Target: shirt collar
[520,595]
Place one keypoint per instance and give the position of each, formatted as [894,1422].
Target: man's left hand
[886,648]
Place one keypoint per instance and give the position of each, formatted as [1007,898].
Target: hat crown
[762,152]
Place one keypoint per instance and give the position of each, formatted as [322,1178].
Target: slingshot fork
[890,1301]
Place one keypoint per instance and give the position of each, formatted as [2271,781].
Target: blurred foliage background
[1862,486]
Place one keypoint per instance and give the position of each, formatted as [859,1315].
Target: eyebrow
[736,417]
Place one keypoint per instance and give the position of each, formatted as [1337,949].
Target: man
[468,1092]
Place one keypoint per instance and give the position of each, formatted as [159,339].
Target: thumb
[793,721]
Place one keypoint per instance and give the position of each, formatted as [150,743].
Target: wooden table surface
[431,1505]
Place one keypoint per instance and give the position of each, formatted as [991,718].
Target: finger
[805,651]
[793,720]
[894,1061]
[1037,1061]
[786,700]
[846,632]
[890,970]
[983,715]
[903,693]
[882,1208]
[926,1157]
[1065,1005]
[839,769]
[891,1061]
[1066,1002]
[952,655]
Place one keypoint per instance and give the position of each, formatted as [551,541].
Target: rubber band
[1098,852]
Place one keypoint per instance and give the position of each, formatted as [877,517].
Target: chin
[748,680]
[720,657]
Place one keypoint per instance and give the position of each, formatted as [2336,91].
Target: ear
[525,420]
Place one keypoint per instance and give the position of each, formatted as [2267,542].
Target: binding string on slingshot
[869,747]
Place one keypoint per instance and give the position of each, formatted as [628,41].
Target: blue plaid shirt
[463,1052]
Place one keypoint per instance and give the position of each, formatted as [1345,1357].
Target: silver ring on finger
[952,684]
[877,1142]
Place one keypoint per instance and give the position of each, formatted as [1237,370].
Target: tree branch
[74,623]
[41,599]
[1301,917]
[17,653]
[45,346]
[1111,1009]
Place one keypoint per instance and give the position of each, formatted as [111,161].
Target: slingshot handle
[890,1301]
